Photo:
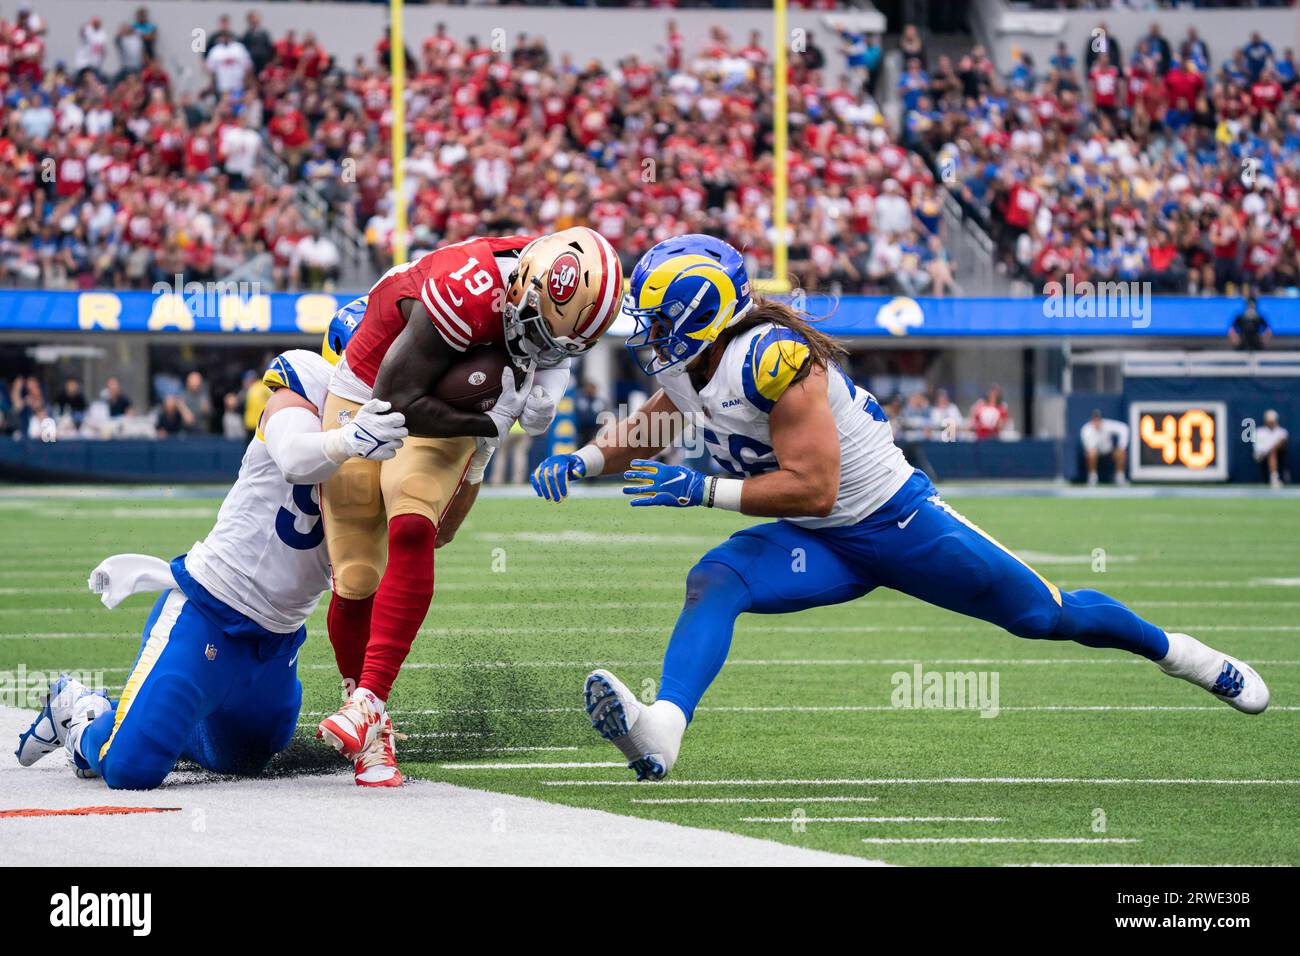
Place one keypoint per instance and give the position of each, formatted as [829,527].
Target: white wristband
[478,463]
[593,459]
[724,494]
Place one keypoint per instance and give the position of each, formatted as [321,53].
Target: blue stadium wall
[48,315]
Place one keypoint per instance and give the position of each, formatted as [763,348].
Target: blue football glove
[655,483]
[551,478]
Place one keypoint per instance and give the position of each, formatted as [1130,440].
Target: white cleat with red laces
[355,726]
[377,765]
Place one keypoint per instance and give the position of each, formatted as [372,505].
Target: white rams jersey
[732,411]
[266,557]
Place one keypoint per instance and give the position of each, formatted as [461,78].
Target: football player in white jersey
[799,441]
[216,678]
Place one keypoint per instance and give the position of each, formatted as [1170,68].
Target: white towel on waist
[118,577]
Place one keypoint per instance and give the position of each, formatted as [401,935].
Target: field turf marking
[531,766]
[85,811]
[942,840]
[669,801]
[885,781]
[799,819]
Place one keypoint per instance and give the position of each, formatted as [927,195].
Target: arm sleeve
[555,381]
[304,454]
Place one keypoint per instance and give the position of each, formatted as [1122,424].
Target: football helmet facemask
[561,298]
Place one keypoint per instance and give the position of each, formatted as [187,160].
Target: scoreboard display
[1178,441]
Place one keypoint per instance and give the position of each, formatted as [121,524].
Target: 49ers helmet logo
[562,281]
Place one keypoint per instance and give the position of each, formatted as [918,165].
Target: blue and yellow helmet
[341,327]
[682,294]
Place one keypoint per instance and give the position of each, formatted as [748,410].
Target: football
[473,384]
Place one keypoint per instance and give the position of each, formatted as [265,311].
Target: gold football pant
[363,496]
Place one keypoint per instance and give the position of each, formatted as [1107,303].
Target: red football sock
[401,602]
[349,628]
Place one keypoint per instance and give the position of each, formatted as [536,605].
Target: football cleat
[69,706]
[355,726]
[649,737]
[377,765]
[1233,681]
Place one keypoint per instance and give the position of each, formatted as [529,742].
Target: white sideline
[314,820]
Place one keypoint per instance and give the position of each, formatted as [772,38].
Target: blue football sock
[715,596]
[1097,620]
[94,737]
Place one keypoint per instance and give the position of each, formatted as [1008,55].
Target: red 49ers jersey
[462,285]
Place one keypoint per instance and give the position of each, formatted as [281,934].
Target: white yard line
[672,801]
[929,781]
[574,765]
[801,819]
[946,840]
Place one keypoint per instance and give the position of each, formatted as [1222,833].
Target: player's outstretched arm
[412,368]
[613,450]
[306,455]
[806,443]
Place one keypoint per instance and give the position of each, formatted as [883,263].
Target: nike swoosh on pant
[906,521]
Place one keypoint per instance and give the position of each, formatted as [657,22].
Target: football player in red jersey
[545,300]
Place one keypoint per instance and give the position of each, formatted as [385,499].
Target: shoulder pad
[772,364]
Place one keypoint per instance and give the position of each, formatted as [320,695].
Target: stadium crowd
[1156,166]
[114,178]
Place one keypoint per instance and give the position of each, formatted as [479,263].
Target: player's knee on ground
[712,580]
[152,735]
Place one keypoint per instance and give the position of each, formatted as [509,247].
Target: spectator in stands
[945,417]
[229,63]
[1250,330]
[26,404]
[197,400]
[989,416]
[174,417]
[315,260]
[255,396]
[71,400]
[1105,438]
[146,30]
[92,50]
[232,419]
[1100,43]
[915,417]
[257,41]
[1270,449]
[117,401]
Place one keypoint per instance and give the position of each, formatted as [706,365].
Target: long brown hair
[821,347]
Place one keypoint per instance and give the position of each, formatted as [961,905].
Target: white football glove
[538,413]
[511,403]
[374,432]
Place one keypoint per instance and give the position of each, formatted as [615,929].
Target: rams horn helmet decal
[682,294]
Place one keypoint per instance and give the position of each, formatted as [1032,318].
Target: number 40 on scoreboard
[1178,441]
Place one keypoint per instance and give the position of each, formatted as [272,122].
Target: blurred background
[1059,238]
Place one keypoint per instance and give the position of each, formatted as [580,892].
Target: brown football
[473,384]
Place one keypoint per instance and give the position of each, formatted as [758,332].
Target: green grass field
[797,741]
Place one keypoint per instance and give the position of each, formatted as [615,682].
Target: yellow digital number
[1196,422]
[1165,440]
